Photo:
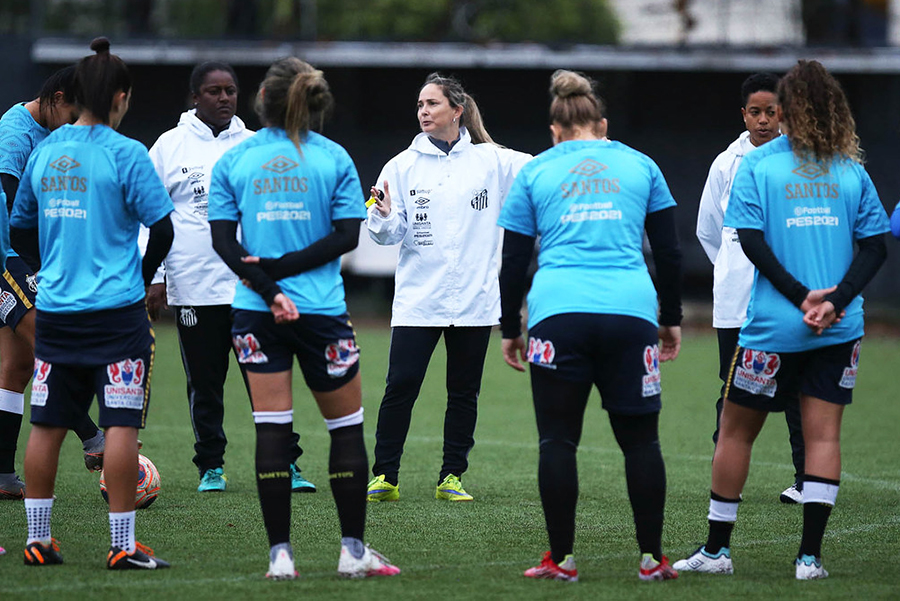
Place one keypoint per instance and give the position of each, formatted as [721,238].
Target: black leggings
[411,350]
[559,407]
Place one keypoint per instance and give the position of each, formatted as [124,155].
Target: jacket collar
[190,120]
[423,145]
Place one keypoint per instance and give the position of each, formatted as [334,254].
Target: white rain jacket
[444,210]
[184,158]
[732,270]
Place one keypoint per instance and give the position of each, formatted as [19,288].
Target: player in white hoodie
[196,282]
[732,270]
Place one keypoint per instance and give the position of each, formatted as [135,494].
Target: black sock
[86,428]
[10,424]
[645,474]
[558,485]
[815,518]
[719,536]
[273,479]
[348,468]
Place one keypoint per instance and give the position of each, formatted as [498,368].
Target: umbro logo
[280,164]
[810,170]
[65,163]
[588,167]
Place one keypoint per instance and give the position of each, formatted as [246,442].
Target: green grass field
[478,550]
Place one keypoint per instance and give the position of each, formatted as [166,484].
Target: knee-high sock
[348,468]
[12,405]
[819,496]
[273,476]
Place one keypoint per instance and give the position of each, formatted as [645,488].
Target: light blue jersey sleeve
[518,213]
[145,194]
[348,200]
[223,203]
[745,206]
[19,134]
[895,221]
[660,195]
[4,231]
[25,210]
[872,218]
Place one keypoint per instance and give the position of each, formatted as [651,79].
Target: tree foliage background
[479,21]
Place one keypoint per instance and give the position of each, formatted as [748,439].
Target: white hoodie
[732,270]
[184,158]
[444,210]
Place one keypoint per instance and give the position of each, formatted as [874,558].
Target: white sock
[722,511]
[12,402]
[38,512]
[121,530]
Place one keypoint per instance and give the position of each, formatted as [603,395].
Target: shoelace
[143,548]
[378,555]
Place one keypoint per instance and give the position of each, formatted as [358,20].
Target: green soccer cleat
[451,490]
[213,480]
[381,490]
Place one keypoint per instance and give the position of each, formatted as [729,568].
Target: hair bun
[100,45]
[564,83]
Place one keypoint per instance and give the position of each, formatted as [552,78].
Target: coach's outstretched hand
[513,349]
[383,204]
[669,342]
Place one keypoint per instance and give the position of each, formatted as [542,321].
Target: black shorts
[767,381]
[325,346]
[61,393]
[18,288]
[618,353]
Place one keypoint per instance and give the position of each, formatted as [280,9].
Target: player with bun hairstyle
[193,279]
[440,202]
[733,272]
[799,204]
[84,194]
[592,312]
[22,128]
[297,198]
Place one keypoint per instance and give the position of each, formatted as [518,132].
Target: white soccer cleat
[810,567]
[372,563]
[281,563]
[701,561]
[791,495]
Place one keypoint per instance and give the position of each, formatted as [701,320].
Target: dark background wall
[680,119]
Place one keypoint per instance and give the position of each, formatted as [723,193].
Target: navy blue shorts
[619,354]
[61,393]
[324,345]
[18,288]
[768,381]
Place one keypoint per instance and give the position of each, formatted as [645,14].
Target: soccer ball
[147,486]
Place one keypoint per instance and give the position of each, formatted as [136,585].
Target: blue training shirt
[810,213]
[19,135]
[588,201]
[285,201]
[4,231]
[87,189]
